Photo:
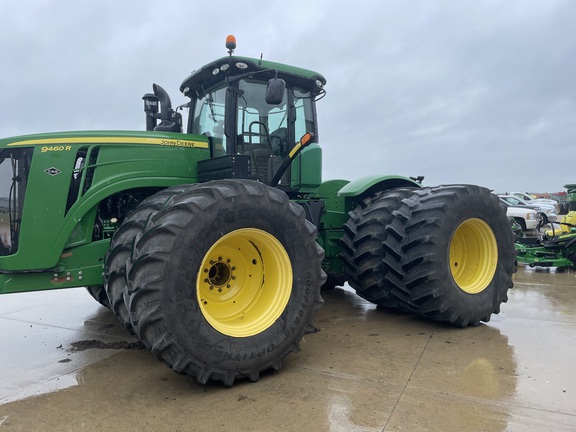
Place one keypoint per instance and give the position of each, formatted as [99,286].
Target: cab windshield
[268,132]
[263,131]
[208,119]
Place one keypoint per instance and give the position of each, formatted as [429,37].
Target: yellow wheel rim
[244,282]
[473,255]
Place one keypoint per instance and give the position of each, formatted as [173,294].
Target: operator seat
[279,140]
[262,154]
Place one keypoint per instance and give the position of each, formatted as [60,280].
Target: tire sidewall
[474,206]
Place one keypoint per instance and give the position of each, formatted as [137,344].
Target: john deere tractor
[210,238]
[571,197]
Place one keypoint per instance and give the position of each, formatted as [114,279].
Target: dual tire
[446,253]
[219,280]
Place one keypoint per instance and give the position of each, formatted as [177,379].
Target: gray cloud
[461,92]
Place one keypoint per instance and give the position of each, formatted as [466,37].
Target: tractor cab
[253,112]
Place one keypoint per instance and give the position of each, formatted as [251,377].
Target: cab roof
[215,73]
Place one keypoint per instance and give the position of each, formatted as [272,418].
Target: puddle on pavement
[519,360]
[539,321]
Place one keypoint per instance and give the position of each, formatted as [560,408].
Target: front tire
[121,247]
[224,280]
[458,253]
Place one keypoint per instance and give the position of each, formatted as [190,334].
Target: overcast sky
[459,91]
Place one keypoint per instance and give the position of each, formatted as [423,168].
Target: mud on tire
[224,280]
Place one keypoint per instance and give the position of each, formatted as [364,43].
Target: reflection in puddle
[482,376]
[540,323]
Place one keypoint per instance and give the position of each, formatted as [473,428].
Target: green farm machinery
[211,233]
[555,248]
[570,197]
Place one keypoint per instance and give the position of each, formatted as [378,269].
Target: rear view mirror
[275,91]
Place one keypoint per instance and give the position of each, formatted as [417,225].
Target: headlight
[532,216]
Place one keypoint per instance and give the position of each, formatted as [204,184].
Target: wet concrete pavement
[366,370]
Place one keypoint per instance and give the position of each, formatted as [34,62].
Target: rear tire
[371,250]
[224,280]
[458,253]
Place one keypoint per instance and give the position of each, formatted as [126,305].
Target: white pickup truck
[527,218]
[548,212]
[536,201]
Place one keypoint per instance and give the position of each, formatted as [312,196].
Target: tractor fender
[365,186]
[341,196]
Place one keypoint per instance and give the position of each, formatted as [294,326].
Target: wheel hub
[220,274]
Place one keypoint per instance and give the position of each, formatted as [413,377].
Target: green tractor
[210,239]
[571,197]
